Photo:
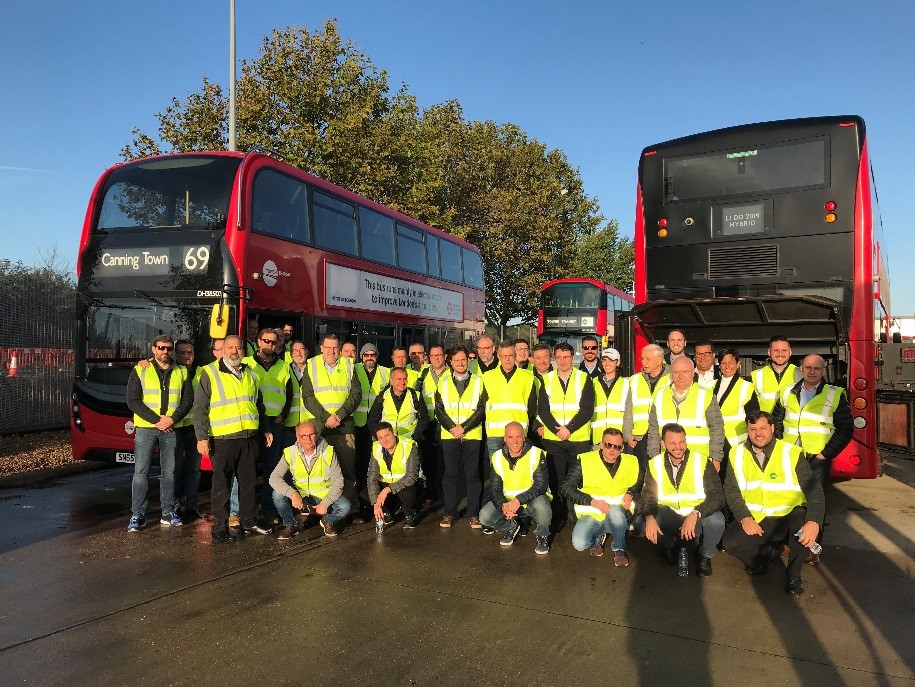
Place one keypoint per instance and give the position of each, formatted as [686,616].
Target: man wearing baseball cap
[372,378]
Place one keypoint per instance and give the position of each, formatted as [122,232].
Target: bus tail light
[830,217]
[77,420]
[662,223]
[662,233]
[860,423]
[860,384]
[830,206]
[860,403]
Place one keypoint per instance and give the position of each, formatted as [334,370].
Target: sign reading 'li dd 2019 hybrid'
[349,288]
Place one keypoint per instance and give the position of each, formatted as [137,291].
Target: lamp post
[231,145]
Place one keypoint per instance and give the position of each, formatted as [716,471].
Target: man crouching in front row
[317,483]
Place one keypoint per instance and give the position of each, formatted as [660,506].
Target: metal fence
[37,329]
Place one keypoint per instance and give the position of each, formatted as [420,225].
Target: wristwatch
[698,514]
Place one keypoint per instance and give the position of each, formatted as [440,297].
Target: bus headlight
[860,423]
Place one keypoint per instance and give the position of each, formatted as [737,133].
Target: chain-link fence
[37,329]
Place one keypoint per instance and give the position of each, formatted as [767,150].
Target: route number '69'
[197,258]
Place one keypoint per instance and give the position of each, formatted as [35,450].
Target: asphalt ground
[82,602]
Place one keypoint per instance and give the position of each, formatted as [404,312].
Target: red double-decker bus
[572,308]
[166,239]
[769,229]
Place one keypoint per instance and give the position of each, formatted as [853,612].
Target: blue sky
[599,80]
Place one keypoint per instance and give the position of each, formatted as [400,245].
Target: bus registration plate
[121,457]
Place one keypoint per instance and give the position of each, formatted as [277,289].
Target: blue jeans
[233,497]
[144,442]
[589,530]
[338,509]
[539,509]
[709,529]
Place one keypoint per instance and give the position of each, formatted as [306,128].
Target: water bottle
[379,526]
[815,548]
[683,562]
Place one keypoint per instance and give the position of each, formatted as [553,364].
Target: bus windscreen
[789,166]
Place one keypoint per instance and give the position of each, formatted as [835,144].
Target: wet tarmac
[83,602]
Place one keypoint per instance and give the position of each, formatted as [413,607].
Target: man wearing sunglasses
[589,363]
[160,395]
[276,387]
[603,485]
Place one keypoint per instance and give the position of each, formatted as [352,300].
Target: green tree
[606,256]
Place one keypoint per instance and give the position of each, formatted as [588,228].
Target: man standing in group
[297,410]
[187,460]
[431,447]
[642,386]
[160,395]
[773,494]
[317,483]
[689,405]
[486,355]
[252,331]
[775,376]
[393,476]
[565,407]
[676,346]
[401,407]
[682,500]
[399,359]
[417,352]
[519,487]
[228,406]
[541,356]
[348,350]
[603,486]
[523,354]
[276,391]
[509,396]
[817,418]
[706,374]
[287,343]
[331,393]
[610,394]
[459,408]
[589,363]
[372,379]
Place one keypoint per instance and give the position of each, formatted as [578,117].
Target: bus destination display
[144,262]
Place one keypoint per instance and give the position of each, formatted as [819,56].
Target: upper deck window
[279,206]
[473,269]
[335,224]
[377,236]
[168,193]
[782,167]
[572,296]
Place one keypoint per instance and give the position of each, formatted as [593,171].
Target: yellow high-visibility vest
[768,388]
[812,426]
[643,399]
[599,484]
[369,391]
[608,410]
[152,391]
[690,414]
[459,407]
[771,493]
[733,413]
[506,399]
[272,384]
[690,494]
[233,401]
[520,479]
[314,482]
[564,404]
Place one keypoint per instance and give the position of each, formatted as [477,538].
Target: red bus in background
[572,308]
[166,238]
[769,229]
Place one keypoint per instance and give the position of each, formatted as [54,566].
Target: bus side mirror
[219,321]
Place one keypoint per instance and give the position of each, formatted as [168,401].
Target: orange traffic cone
[14,364]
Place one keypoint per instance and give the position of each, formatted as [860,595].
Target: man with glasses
[523,354]
[705,375]
[818,419]
[589,364]
[228,406]
[297,411]
[331,392]
[160,395]
[603,485]
[486,355]
[682,499]
[276,389]
[373,378]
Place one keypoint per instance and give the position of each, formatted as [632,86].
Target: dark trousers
[234,458]
[433,461]
[820,468]
[754,550]
[187,468]
[345,450]
[405,498]
[361,465]
[560,456]
[269,457]
[460,454]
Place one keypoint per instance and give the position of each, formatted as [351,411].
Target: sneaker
[329,529]
[598,549]
[543,546]
[410,522]
[620,559]
[447,521]
[475,524]
[287,532]
[135,524]
[508,537]
[234,521]
[170,519]
[388,518]
[488,530]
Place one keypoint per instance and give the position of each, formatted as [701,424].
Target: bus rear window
[784,167]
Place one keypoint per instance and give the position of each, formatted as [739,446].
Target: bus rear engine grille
[734,263]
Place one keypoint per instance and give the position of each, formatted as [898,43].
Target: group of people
[686,451]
